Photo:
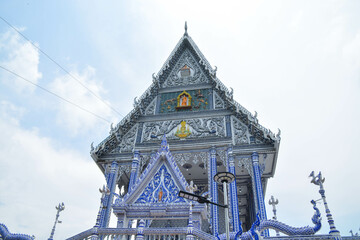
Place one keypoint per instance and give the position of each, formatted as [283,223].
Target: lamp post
[274,202]
[59,208]
[319,180]
[221,177]
[225,178]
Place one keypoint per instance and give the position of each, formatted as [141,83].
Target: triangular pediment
[162,188]
[160,182]
[186,66]
[186,54]
[186,71]
[185,42]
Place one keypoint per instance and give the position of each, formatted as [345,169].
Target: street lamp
[225,178]
[59,208]
[319,180]
[274,202]
[221,177]
[197,198]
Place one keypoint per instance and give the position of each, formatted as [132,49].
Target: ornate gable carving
[195,158]
[239,132]
[218,102]
[150,109]
[199,127]
[177,78]
[161,189]
[128,140]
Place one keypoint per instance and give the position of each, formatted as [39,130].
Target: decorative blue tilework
[161,188]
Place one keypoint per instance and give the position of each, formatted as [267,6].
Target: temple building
[183,130]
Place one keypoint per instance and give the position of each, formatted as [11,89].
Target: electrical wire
[54,94]
[67,72]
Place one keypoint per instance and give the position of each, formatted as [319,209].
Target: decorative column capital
[213,150]
[255,157]
[230,157]
[114,166]
[135,161]
[136,155]
[229,149]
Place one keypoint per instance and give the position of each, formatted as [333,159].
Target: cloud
[20,57]
[36,176]
[72,118]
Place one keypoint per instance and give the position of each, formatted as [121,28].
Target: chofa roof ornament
[185,34]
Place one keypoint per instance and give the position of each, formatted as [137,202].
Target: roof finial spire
[185,29]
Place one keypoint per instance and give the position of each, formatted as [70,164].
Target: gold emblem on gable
[183,131]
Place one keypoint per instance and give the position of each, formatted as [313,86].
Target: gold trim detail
[183,131]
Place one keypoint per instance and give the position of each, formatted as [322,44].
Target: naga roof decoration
[159,182]
[145,105]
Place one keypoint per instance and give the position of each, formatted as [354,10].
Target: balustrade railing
[149,234]
[173,234]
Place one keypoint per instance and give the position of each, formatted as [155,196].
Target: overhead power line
[67,72]
[54,94]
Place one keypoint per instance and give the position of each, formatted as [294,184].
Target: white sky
[297,63]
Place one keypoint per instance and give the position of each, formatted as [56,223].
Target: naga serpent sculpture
[260,225]
[5,234]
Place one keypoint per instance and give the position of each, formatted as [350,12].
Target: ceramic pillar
[214,192]
[259,189]
[134,169]
[108,199]
[233,192]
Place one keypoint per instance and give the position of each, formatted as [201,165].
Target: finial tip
[185,28]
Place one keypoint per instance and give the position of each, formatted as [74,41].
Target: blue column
[108,199]
[258,188]
[134,169]
[140,230]
[233,192]
[214,192]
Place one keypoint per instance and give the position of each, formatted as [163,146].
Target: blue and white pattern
[291,231]
[261,225]
[5,234]
[161,188]
[155,162]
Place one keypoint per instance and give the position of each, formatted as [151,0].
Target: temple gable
[160,182]
[161,189]
[185,101]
